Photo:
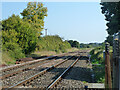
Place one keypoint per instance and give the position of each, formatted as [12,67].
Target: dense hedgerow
[52,43]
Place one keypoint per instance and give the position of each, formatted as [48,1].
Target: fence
[116,61]
[112,64]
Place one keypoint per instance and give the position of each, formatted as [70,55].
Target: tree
[74,43]
[82,45]
[71,42]
[111,10]
[110,39]
[35,14]
[18,32]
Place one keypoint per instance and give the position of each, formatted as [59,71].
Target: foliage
[52,43]
[21,36]
[35,14]
[74,43]
[13,49]
[110,40]
[111,11]
[97,58]
[15,30]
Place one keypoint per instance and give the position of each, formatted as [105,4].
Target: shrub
[15,30]
[52,43]
[13,50]
[97,58]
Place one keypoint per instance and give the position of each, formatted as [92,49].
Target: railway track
[25,74]
[12,77]
[29,79]
[47,75]
[78,77]
[25,66]
[15,67]
[9,68]
[63,73]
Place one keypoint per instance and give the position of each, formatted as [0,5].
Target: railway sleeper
[35,76]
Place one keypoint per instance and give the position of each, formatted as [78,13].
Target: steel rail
[30,62]
[24,69]
[38,74]
[60,77]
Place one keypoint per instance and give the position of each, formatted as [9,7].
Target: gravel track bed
[19,68]
[24,75]
[22,67]
[77,77]
[47,78]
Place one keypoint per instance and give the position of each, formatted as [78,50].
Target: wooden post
[111,62]
[108,81]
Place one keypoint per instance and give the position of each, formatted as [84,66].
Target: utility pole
[45,32]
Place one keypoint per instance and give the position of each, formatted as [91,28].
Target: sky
[81,21]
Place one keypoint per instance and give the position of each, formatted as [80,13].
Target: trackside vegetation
[52,43]
[22,36]
[98,63]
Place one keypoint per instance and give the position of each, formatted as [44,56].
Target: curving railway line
[43,73]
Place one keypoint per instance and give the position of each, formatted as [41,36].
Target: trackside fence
[112,64]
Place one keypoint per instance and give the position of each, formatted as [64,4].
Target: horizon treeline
[76,44]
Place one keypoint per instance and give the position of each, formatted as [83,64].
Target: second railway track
[46,76]
[6,72]
[15,78]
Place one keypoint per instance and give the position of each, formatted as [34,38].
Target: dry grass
[42,53]
[49,53]
[6,59]
[72,49]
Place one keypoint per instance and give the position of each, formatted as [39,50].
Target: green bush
[52,43]
[13,50]
[97,58]
[92,52]
[15,30]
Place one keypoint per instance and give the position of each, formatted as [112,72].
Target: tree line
[76,44]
